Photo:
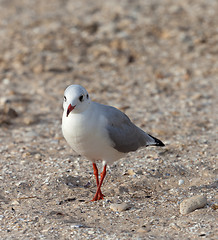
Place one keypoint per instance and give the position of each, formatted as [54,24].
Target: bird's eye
[87,96]
[65,99]
[81,98]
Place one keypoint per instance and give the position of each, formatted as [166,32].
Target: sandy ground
[155,60]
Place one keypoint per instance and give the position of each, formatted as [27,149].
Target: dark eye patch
[87,96]
[81,98]
[65,99]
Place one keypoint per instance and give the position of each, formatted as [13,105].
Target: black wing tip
[157,142]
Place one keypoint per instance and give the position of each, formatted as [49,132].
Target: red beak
[70,108]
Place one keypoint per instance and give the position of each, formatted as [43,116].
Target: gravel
[154,60]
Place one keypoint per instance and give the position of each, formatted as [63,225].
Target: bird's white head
[76,99]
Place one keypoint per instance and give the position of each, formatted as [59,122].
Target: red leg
[95,170]
[98,194]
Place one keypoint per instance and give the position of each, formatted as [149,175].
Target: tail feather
[157,142]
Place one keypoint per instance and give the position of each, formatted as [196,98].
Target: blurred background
[149,48]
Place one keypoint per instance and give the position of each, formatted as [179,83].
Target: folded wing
[126,136]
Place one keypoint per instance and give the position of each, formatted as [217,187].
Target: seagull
[100,132]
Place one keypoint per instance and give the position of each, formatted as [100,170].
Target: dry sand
[155,60]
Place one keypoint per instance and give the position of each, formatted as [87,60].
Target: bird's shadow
[76,182]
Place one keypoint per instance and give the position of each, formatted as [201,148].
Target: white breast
[86,134]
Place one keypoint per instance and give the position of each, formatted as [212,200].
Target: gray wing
[126,136]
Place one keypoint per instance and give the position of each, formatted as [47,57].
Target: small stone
[142,230]
[4,100]
[38,156]
[131,172]
[174,226]
[6,81]
[77,225]
[28,120]
[15,202]
[181,181]
[120,207]
[26,154]
[214,206]
[193,203]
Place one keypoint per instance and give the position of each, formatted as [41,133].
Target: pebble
[131,172]
[142,230]
[193,203]
[3,101]
[214,206]
[38,156]
[28,120]
[181,181]
[14,202]
[77,225]
[175,226]
[120,207]
[6,81]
